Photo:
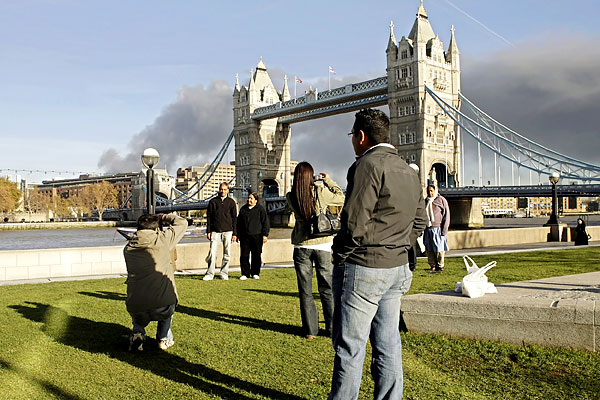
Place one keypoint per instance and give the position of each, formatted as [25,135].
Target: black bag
[325,223]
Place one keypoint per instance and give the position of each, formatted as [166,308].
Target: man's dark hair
[148,221]
[224,184]
[374,123]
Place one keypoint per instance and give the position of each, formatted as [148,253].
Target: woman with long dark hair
[309,250]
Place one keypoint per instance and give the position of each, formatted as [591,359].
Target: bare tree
[99,196]
[10,195]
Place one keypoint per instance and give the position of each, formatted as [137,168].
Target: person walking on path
[309,250]
[581,238]
[221,228]
[252,233]
[151,291]
[383,215]
[436,233]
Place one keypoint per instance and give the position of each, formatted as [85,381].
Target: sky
[86,86]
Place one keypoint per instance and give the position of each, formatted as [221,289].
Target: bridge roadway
[521,191]
[278,203]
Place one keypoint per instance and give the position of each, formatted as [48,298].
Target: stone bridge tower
[419,128]
[262,148]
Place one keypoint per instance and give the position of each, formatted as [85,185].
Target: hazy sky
[85,85]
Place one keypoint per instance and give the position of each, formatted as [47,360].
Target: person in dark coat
[220,229]
[581,238]
[252,233]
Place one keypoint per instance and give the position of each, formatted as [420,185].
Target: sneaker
[255,277]
[224,277]
[136,341]
[243,278]
[164,344]
[207,278]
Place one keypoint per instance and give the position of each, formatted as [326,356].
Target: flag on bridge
[331,69]
[298,79]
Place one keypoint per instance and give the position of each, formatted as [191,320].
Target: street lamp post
[150,158]
[554,178]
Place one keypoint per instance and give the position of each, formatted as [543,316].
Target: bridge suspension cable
[205,177]
[514,147]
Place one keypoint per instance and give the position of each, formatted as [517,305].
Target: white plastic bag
[475,283]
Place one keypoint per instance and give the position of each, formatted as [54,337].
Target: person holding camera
[307,199]
[151,291]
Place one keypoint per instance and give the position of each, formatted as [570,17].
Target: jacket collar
[380,147]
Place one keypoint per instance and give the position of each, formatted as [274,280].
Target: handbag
[325,223]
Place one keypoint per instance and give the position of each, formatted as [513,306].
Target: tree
[61,208]
[99,196]
[10,195]
[36,201]
[77,206]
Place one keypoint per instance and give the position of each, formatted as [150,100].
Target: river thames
[94,237]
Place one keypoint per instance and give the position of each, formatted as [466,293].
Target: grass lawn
[240,340]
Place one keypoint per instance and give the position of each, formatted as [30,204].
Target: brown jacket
[150,280]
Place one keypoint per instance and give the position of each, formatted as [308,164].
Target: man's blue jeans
[367,305]
[164,316]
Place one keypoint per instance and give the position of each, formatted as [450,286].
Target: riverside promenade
[560,311]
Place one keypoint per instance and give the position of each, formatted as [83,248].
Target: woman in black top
[252,233]
[581,238]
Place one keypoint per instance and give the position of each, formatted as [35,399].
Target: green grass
[240,340]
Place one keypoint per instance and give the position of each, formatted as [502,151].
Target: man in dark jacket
[220,228]
[383,215]
[151,291]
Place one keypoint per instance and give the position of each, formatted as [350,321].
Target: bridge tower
[262,148]
[419,128]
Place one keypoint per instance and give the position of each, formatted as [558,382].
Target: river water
[88,237]
[94,237]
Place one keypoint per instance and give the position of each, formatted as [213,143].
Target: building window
[402,139]
[413,109]
[404,72]
[400,111]
[413,157]
[404,54]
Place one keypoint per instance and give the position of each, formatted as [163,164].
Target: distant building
[187,178]
[533,206]
[66,188]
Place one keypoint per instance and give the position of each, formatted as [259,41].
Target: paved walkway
[561,311]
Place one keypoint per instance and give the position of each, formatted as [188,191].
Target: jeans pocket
[370,283]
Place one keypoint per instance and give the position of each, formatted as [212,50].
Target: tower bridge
[422,89]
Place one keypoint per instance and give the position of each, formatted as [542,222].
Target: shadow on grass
[295,294]
[274,292]
[214,315]
[110,339]
[48,387]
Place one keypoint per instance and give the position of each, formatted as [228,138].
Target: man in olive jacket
[151,291]
[383,215]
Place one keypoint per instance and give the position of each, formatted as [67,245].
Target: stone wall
[18,265]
